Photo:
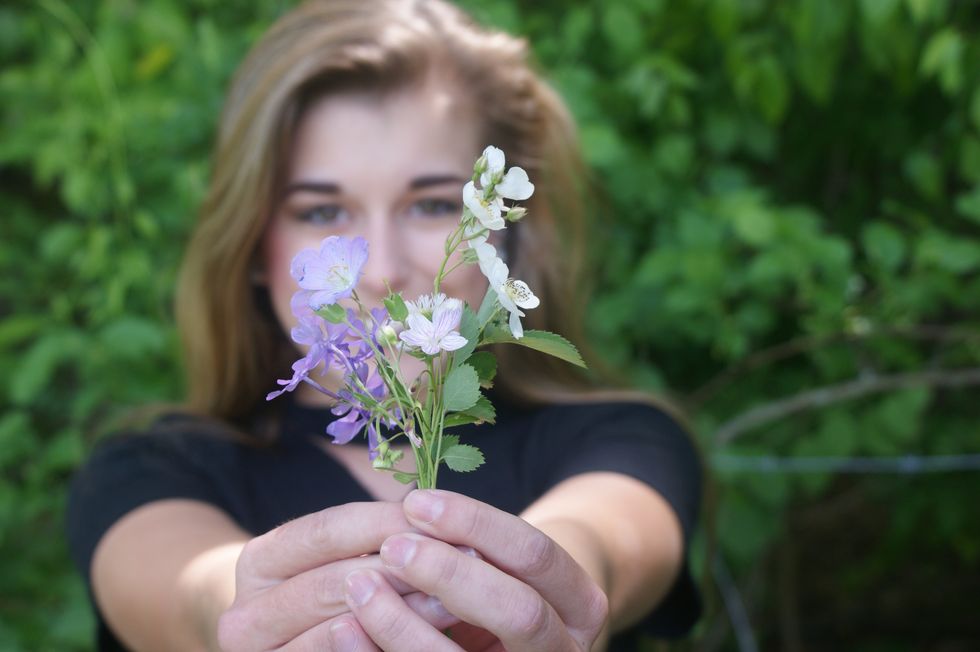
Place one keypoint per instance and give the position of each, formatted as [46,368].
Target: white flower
[427,304]
[515,185]
[486,254]
[495,165]
[512,295]
[488,212]
[438,333]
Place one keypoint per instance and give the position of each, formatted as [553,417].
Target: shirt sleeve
[640,441]
[127,471]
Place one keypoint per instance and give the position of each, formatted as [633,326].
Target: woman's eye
[323,214]
[436,208]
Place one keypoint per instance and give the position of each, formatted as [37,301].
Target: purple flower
[332,272]
[326,342]
[354,414]
[299,304]
[301,369]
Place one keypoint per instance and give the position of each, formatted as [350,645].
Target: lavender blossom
[332,272]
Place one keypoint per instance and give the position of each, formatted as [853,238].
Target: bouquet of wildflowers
[443,332]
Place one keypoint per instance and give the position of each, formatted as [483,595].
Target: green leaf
[884,245]
[448,441]
[924,170]
[405,478]
[487,308]
[396,307]
[483,410]
[462,389]
[462,457]
[458,419]
[967,204]
[754,224]
[485,364]
[943,59]
[543,341]
[334,313]
[470,329]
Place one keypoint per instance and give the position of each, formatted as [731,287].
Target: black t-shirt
[527,451]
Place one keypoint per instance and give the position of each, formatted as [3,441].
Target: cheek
[466,283]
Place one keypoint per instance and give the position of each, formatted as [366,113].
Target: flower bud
[388,336]
[481,165]
[515,213]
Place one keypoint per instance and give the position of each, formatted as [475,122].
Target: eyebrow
[331,188]
[435,180]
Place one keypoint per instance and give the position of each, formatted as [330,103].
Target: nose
[386,258]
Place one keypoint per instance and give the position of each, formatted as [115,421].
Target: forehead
[427,127]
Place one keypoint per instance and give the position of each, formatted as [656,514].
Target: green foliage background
[793,203]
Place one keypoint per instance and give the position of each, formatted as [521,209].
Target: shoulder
[175,456]
[604,420]
[636,438]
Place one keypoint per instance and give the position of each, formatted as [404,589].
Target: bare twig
[823,396]
[737,614]
[925,332]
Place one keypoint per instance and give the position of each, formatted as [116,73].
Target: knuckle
[233,630]
[476,523]
[393,627]
[252,550]
[532,617]
[597,609]
[537,555]
[449,569]
[322,530]
[327,591]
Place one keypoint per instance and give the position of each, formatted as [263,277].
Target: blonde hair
[234,348]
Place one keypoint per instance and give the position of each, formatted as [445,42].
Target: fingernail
[343,638]
[423,506]
[437,610]
[360,587]
[397,552]
[470,552]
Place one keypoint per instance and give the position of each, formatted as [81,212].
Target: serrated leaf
[448,441]
[550,343]
[405,478]
[458,419]
[485,364]
[396,307]
[462,457]
[483,410]
[462,389]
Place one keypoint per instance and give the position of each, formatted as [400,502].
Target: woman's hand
[526,592]
[290,581]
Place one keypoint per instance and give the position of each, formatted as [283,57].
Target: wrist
[206,589]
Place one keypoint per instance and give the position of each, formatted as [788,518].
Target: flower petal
[515,325]
[452,341]
[521,294]
[515,185]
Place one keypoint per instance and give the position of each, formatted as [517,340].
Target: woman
[233,524]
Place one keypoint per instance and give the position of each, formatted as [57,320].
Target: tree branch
[823,396]
[788,349]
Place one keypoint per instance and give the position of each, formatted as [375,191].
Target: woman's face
[389,169]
